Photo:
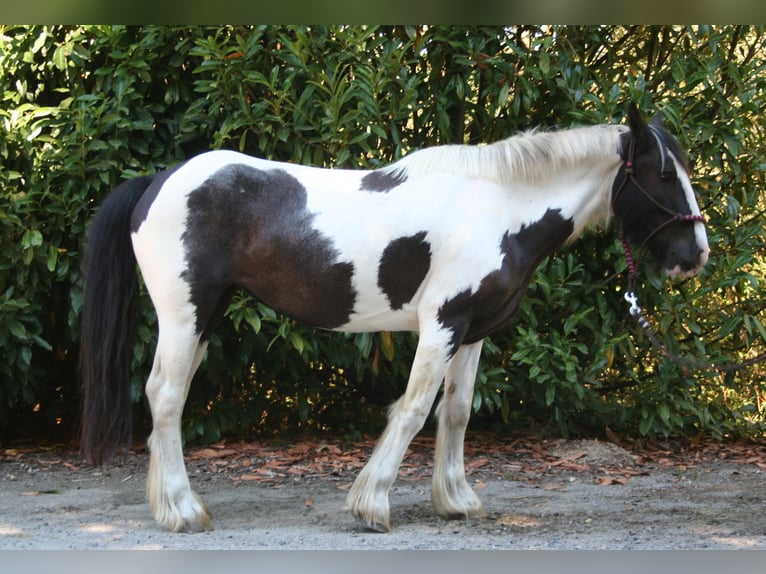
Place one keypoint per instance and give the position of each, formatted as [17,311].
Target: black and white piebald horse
[443,242]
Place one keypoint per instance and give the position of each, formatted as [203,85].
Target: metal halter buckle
[632,298]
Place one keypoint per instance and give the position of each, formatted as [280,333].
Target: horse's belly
[381,320]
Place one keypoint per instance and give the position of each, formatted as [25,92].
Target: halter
[664,174]
[630,295]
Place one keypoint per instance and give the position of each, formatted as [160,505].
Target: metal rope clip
[632,298]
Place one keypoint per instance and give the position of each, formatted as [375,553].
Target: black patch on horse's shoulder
[142,208]
[471,316]
[250,228]
[403,266]
[380,180]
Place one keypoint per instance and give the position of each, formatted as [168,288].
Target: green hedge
[84,107]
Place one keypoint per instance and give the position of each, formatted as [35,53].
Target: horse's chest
[474,314]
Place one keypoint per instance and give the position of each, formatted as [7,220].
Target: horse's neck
[574,168]
[582,192]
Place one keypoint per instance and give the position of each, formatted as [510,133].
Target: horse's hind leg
[451,495]
[174,504]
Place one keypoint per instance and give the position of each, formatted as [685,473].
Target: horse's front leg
[451,495]
[368,497]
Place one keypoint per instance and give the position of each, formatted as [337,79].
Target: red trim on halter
[632,270]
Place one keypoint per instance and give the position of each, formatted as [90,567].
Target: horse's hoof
[465,515]
[372,526]
[197,518]
[202,525]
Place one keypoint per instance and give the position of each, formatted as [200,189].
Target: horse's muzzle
[691,268]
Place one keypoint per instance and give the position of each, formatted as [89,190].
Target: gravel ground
[560,495]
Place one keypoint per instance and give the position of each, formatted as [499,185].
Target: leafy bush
[84,107]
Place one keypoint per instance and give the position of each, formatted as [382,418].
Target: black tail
[107,325]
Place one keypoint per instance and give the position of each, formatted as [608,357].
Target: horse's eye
[668,176]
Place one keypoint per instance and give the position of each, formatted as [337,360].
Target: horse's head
[653,199]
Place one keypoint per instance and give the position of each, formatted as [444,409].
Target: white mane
[534,158]
[530,156]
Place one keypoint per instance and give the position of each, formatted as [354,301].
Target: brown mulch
[486,455]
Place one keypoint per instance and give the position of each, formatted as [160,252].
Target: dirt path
[539,495]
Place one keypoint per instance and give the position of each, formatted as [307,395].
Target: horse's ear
[638,127]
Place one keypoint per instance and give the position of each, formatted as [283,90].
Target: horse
[442,242]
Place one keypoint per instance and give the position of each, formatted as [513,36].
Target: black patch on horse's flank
[380,180]
[471,316]
[250,228]
[142,208]
[403,266]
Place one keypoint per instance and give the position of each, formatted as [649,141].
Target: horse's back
[316,244]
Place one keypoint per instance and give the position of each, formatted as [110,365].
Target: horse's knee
[453,413]
[409,418]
